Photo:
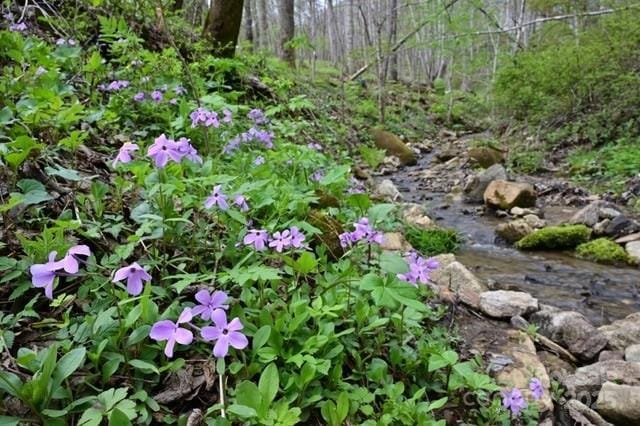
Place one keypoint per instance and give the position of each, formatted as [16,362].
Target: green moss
[431,242]
[555,237]
[602,250]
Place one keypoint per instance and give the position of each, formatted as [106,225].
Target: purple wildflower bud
[156,95]
[513,401]
[179,90]
[43,275]
[172,332]
[537,390]
[345,239]
[315,146]
[317,175]
[187,150]
[280,240]
[224,333]
[208,303]
[257,238]
[162,150]
[76,254]
[228,116]
[19,27]
[241,202]
[102,87]
[138,97]
[134,274]
[257,115]
[124,154]
[218,198]
[297,237]
[259,160]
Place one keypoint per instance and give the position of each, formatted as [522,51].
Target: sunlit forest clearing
[319,212]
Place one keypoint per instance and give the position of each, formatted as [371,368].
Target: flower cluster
[114,86]
[356,187]
[318,175]
[314,146]
[265,137]
[164,150]
[206,118]
[514,401]
[19,27]
[419,269]
[363,231]
[124,154]
[211,306]
[158,95]
[43,275]
[280,240]
[257,116]
[219,199]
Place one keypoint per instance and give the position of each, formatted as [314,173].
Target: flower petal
[122,273]
[168,350]
[221,348]
[183,336]
[210,333]
[238,340]
[185,316]
[203,297]
[162,330]
[235,325]
[219,318]
[134,285]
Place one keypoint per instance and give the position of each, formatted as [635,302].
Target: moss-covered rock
[602,250]
[394,146]
[555,237]
[485,156]
[331,229]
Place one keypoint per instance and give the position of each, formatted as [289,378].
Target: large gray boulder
[572,331]
[387,190]
[506,304]
[506,195]
[632,353]
[587,381]
[474,190]
[514,230]
[623,333]
[416,215]
[619,403]
[582,415]
[455,277]
[593,213]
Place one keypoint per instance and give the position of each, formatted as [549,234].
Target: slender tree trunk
[287,32]
[263,27]
[393,36]
[248,21]
[223,26]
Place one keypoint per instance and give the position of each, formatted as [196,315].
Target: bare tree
[248,21]
[287,32]
[223,26]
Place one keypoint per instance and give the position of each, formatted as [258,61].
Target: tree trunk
[223,25]
[248,22]
[177,4]
[263,27]
[287,31]
[393,37]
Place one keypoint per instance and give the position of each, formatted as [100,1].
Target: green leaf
[248,394]
[138,335]
[68,364]
[90,417]
[268,384]
[10,383]
[118,418]
[68,174]
[393,263]
[237,216]
[109,368]
[380,212]
[242,411]
[306,263]
[441,360]
[342,407]
[261,337]
[434,405]
[9,421]
[144,366]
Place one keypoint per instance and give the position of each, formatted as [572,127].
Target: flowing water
[601,292]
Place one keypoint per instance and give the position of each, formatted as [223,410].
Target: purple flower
[134,274]
[297,237]
[43,275]
[224,333]
[345,239]
[317,175]
[173,101]
[76,254]
[259,160]
[232,145]
[187,150]
[172,332]
[138,97]
[209,302]
[218,198]
[124,154]
[537,390]
[419,269]
[241,202]
[19,27]
[257,238]
[513,401]
[315,146]
[228,116]
[280,240]
[156,95]
[162,150]
[116,85]
[257,115]
[362,231]
[179,90]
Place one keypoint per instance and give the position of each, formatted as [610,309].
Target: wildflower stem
[221,385]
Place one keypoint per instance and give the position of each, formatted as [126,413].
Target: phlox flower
[419,269]
[224,333]
[43,275]
[228,116]
[259,160]
[362,231]
[241,202]
[135,275]
[257,116]
[317,175]
[76,254]
[188,151]
[172,332]
[315,146]
[156,96]
[179,90]
[537,390]
[297,237]
[40,70]
[218,198]
[19,27]
[280,240]
[513,401]
[138,97]
[124,154]
[173,101]
[208,303]
[162,150]
[257,238]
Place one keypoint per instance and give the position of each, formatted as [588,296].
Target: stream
[602,293]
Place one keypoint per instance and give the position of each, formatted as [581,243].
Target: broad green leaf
[393,263]
[261,337]
[69,363]
[10,383]
[242,411]
[118,418]
[248,394]
[144,366]
[268,384]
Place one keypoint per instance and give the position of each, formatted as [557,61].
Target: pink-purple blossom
[203,116]
[297,237]
[259,160]
[363,231]
[43,274]
[224,334]
[257,116]
[228,116]
[187,150]
[179,90]
[537,390]
[258,238]
[208,303]
[135,275]
[75,255]
[19,27]
[513,401]
[280,240]
[156,96]
[241,202]
[139,97]
[162,150]
[419,269]
[124,153]
[172,332]
[116,85]
[217,198]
